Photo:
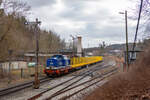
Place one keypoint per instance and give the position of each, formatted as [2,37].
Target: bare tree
[16,8]
[15,36]
[13,9]
[102,47]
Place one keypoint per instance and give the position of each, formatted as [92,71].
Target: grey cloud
[39,3]
[100,25]
[74,11]
[77,15]
[108,31]
[112,33]
[75,2]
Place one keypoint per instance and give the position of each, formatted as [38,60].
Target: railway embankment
[129,85]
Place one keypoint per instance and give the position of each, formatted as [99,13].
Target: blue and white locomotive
[57,64]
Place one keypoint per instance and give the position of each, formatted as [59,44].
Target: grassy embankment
[16,77]
[131,85]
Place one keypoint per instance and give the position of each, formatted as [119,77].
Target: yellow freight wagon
[82,61]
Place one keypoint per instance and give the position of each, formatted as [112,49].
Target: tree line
[16,36]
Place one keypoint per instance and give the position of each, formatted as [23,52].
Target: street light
[126,27]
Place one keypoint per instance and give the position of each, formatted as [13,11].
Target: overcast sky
[94,20]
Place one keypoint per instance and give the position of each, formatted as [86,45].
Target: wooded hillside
[18,37]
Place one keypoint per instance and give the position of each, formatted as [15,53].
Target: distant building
[68,52]
[89,54]
[132,55]
[91,51]
[115,52]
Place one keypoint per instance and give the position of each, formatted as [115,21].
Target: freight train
[61,64]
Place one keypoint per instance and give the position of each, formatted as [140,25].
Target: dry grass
[131,85]
[16,76]
[27,72]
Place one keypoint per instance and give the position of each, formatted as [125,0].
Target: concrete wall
[14,65]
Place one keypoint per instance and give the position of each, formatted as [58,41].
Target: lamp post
[126,28]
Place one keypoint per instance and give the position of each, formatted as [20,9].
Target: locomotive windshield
[54,57]
[57,57]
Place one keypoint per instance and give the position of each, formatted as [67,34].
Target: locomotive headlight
[47,67]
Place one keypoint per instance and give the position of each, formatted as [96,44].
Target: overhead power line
[137,27]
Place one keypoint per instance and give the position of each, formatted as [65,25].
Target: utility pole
[127,55]
[126,29]
[35,24]
[10,53]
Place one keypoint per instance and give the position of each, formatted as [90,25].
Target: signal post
[35,24]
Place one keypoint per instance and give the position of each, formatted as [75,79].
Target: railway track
[77,78]
[19,87]
[16,88]
[91,82]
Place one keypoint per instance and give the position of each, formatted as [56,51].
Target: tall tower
[79,46]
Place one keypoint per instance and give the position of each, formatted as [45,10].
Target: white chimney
[79,46]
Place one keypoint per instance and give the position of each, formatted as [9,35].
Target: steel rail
[86,73]
[19,87]
[84,76]
[40,94]
[83,83]
[101,78]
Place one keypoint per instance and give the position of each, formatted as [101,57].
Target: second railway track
[75,80]
[89,83]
